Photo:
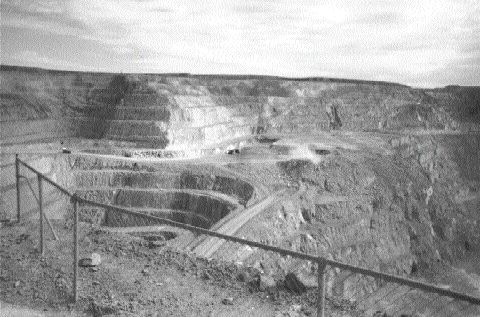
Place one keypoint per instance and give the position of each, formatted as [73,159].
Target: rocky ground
[134,278]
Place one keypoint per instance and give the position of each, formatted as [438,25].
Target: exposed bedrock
[199,195]
[239,189]
[405,213]
[180,112]
[191,208]
[451,195]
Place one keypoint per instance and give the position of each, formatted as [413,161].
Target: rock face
[401,213]
[195,195]
[182,112]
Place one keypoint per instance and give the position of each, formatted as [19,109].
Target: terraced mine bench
[413,295]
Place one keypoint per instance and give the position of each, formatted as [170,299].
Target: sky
[422,43]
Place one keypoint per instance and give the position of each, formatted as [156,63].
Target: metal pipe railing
[17,184]
[75,249]
[48,180]
[316,259]
[321,289]
[321,261]
[40,208]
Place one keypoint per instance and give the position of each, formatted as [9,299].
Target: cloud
[34,59]
[385,40]
[379,18]
[40,15]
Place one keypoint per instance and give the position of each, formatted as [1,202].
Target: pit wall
[363,230]
[404,213]
[178,112]
[195,195]
[91,171]
[198,195]
[190,208]
[235,188]
[451,196]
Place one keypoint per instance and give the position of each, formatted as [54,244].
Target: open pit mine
[374,175]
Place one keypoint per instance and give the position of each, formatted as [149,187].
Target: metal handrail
[356,269]
[48,180]
[321,261]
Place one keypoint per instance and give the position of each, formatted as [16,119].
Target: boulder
[93,260]
[266,282]
[227,301]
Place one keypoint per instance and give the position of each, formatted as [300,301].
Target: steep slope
[413,211]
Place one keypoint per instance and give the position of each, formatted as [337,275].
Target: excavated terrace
[396,188]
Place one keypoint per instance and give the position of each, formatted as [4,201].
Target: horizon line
[233,76]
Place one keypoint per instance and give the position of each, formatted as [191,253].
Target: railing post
[75,248]
[40,207]
[321,289]
[17,177]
